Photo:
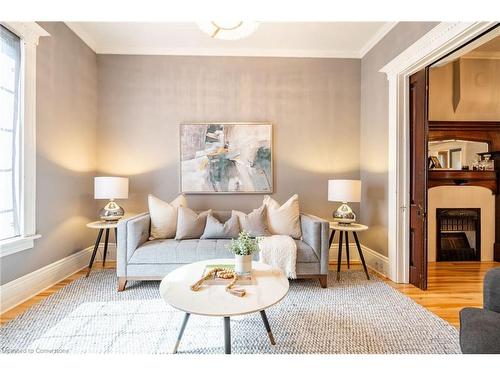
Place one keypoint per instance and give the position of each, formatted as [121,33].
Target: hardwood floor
[451,287]
[19,309]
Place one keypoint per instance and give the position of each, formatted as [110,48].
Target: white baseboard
[374,260]
[20,290]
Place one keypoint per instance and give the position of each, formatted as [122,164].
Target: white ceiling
[288,39]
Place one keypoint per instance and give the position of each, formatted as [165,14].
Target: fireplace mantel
[448,177]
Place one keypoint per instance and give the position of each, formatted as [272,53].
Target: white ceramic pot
[242,264]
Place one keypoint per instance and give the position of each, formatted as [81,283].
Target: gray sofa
[480,328]
[141,259]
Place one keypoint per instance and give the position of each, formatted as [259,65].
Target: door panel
[418,179]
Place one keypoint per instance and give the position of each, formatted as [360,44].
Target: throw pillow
[215,229]
[254,223]
[190,224]
[164,216]
[284,219]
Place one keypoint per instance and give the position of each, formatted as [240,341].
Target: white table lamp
[344,191]
[111,188]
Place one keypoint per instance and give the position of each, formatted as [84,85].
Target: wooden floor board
[451,287]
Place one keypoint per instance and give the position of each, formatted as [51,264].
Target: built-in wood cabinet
[444,177]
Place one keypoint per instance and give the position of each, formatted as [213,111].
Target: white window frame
[29,32]
[438,42]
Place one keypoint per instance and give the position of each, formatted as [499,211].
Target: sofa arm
[132,233]
[479,331]
[315,232]
[491,290]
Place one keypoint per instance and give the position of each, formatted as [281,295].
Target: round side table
[101,225]
[344,232]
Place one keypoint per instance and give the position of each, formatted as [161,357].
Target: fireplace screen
[458,234]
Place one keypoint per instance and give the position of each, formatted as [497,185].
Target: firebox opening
[458,234]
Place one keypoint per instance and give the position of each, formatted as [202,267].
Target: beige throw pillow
[255,223]
[214,229]
[164,216]
[284,219]
[190,224]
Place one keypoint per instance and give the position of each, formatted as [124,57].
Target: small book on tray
[242,279]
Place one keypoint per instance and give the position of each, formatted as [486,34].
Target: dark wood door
[418,179]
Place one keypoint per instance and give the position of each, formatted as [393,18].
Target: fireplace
[458,234]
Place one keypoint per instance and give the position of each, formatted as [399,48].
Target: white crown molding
[30,32]
[379,35]
[20,290]
[125,50]
[443,37]
[157,50]
[83,35]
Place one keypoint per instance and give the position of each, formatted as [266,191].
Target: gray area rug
[351,316]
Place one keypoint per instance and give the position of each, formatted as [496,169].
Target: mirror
[454,153]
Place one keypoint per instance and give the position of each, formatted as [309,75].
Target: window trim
[29,32]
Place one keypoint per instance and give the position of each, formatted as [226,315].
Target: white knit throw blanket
[279,252]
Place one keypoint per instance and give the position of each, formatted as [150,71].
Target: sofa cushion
[214,229]
[186,251]
[190,224]
[189,251]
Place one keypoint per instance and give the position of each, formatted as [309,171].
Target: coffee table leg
[227,335]
[181,332]
[268,327]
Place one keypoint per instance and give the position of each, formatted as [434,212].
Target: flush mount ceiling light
[228,30]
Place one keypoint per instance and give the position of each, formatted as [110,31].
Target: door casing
[437,43]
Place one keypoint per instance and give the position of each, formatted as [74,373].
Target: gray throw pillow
[254,223]
[190,224]
[215,229]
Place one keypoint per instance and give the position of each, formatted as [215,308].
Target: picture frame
[226,158]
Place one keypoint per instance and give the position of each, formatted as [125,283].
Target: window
[18,42]
[10,104]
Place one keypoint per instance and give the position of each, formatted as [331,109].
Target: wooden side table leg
[331,238]
[347,249]
[106,238]
[96,246]
[339,258]
[227,335]
[361,255]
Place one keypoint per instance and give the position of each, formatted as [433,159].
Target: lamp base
[344,215]
[111,212]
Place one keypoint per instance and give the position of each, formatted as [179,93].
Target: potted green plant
[243,248]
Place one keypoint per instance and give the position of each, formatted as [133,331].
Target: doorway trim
[438,42]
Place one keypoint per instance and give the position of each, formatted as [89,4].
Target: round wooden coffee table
[270,286]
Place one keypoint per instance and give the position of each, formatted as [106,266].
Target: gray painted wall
[374,129]
[320,130]
[66,151]
[313,104]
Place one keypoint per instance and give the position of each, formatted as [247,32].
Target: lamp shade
[344,190]
[110,187]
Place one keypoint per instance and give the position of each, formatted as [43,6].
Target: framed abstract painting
[226,158]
